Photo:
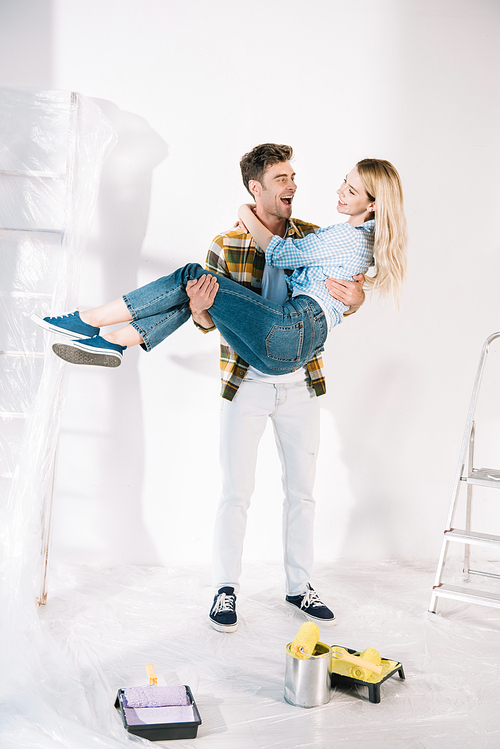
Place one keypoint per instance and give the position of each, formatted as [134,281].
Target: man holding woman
[251,398]
[280,336]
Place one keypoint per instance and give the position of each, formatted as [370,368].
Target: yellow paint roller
[305,641]
[363,674]
[369,660]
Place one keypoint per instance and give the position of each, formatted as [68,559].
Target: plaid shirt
[236,255]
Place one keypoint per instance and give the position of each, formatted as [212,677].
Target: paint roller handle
[150,670]
[357,661]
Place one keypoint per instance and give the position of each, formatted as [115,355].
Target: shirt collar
[293,229]
[367,226]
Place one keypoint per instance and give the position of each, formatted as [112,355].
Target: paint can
[308,682]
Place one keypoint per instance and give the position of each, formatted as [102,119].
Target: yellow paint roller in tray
[306,642]
[343,673]
[363,666]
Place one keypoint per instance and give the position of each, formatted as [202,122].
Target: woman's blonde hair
[383,185]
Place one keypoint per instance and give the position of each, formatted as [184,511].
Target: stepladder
[468,479]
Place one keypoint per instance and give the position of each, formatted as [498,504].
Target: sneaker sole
[223,627]
[310,616]
[54,329]
[75,355]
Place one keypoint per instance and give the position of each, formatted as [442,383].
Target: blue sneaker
[311,606]
[70,325]
[97,351]
[222,615]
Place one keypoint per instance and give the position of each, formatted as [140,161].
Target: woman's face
[353,200]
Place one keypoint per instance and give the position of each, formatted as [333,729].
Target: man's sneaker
[223,612]
[311,605]
[70,325]
[93,351]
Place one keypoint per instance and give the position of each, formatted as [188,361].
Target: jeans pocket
[285,343]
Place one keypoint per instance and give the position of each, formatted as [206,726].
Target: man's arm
[349,293]
[202,295]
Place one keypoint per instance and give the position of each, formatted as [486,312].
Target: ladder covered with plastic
[52,146]
[468,476]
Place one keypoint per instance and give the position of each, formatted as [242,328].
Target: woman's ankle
[127,336]
[87,318]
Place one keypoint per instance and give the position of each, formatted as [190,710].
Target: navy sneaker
[95,351]
[309,603]
[222,615]
[70,325]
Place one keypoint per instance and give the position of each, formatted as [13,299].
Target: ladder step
[471,537]
[484,477]
[468,595]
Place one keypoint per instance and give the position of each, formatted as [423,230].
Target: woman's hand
[240,225]
[349,293]
[245,210]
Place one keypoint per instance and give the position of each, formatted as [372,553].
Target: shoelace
[311,599]
[64,317]
[224,603]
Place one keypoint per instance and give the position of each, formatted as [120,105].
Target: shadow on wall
[26,43]
[111,419]
[379,466]
[380,459]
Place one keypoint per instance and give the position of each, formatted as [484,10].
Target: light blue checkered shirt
[338,251]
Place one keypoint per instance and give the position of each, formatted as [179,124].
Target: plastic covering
[62,664]
[100,628]
[51,153]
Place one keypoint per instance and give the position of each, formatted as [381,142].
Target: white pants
[294,411]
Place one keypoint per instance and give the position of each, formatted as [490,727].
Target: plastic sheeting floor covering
[101,626]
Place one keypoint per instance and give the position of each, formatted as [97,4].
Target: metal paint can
[308,682]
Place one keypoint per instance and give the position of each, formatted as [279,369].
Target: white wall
[190,86]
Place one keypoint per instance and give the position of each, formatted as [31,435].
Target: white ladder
[470,476]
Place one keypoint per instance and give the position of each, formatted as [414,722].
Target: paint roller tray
[161,723]
[340,674]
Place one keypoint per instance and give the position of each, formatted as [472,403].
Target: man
[250,398]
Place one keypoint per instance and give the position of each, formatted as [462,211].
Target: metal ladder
[470,476]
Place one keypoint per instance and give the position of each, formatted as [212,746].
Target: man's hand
[201,293]
[349,293]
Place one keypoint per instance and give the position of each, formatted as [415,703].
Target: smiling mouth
[287,200]
[342,202]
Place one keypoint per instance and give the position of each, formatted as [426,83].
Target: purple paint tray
[161,723]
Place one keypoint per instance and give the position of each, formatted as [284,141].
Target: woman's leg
[108,314]
[273,338]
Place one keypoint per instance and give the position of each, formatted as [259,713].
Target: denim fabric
[273,338]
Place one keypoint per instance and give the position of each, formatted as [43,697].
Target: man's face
[274,195]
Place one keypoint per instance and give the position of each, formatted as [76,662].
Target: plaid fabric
[236,255]
[338,251]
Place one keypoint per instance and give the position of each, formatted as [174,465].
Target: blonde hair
[383,185]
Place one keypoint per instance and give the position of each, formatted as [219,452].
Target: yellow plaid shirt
[236,255]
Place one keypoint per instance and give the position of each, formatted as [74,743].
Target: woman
[273,338]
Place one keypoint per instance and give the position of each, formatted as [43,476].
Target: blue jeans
[273,338]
